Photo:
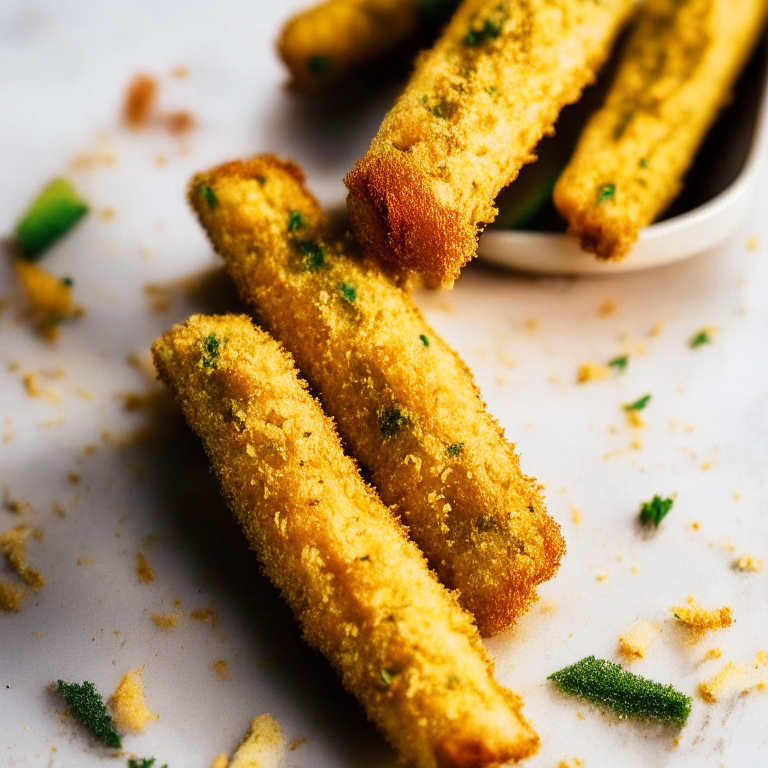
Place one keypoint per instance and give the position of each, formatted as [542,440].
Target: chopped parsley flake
[314,256]
[606,192]
[654,511]
[392,420]
[319,65]
[619,363]
[607,684]
[52,214]
[455,449]
[211,349]
[424,340]
[638,405]
[144,762]
[86,705]
[387,676]
[68,281]
[702,337]
[262,180]
[644,163]
[295,221]
[349,292]
[487,29]
[491,91]
[452,681]
[209,196]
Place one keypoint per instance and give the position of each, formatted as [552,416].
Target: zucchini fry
[676,73]
[470,118]
[403,402]
[326,43]
[360,589]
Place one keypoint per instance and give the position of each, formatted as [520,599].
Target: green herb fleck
[314,256]
[619,363]
[295,221]
[452,681]
[87,706]
[424,340]
[606,192]
[211,349]
[349,292]
[488,28]
[654,511]
[702,337]
[491,91]
[319,65]
[644,163]
[387,676]
[68,281]
[262,180]
[638,405]
[144,762]
[392,420]
[443,108]
[209,196]
[607,684]
[455,449]
[52,214]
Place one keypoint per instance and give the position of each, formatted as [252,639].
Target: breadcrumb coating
[675,74]
[403,401]
[359,587]
[471,116]
[333,39]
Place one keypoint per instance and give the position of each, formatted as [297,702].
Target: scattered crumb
[634,419]
[636,643]
[732,677]
[206,614]
[592,372]
[30,384]
[262,747]
[74,477]
[549,607]
[160,161]
[84,560]
[180,72]
[108,214]
[13,544]
[220,762]
[607,308]
[702,619]
[11,596]
[297,742]
[148,402]
[50,297]
[531,324]
[17,506]
[713,653]
[221,668]
[603,576]
[159,297]
[150,540]
[747,563]
[139,101]
[166,621]
[143,571]
[573,762]
[60,509]
[657,329]
[38,635]
[753,244]
[127,703]
[694,525]
[179,123]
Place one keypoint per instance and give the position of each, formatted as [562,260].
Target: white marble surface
[63,69]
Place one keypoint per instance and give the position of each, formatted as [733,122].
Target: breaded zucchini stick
[403,401]
[329,41]
[470,118]
[361,590]
[675,74]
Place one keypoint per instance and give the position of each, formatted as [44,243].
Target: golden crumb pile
[748,563]
[11,596]
[143,571]
[636,643]
[263,746]
[166,621]
[49,296]
[221,668]
[13,544]
[129,709]
[592,372]
[703,619]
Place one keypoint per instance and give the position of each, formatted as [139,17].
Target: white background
[64,66]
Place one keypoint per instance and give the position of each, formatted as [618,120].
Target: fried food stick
[470,118]
[676,72]
[360,589]
[403,401]
[329,41]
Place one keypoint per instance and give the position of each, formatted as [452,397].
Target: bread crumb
[143,571]
[702,619]
[603,576]
[166,621]
[753,244]
[636,643]
[180,72]
[635,420]
[49,296]
[694,525]
[221,668]
[84,560]
[657,329]
[262,747]
[573,762]
[38,635]
[11,596]
[127,703]
[297,742]
[576,514]
[17,506]
[60,509]
[592,372]
[179,123]
[731,677]
[713,653]
[607,308]
[74,477]
[108,214]
[220,762]
[747,563]
[206,614]
[159,297]
[13,544]
[139,101]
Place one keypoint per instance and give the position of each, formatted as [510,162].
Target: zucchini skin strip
[471,116]
[359,587]
[403,401]
[675,74]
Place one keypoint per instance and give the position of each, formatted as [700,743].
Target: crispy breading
[359,587]
[331,40]
[403,401]
[675,74]
[470,118]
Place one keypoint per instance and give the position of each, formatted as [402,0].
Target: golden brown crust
[470,118]
[678,68]
[359,587]
[404,402]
